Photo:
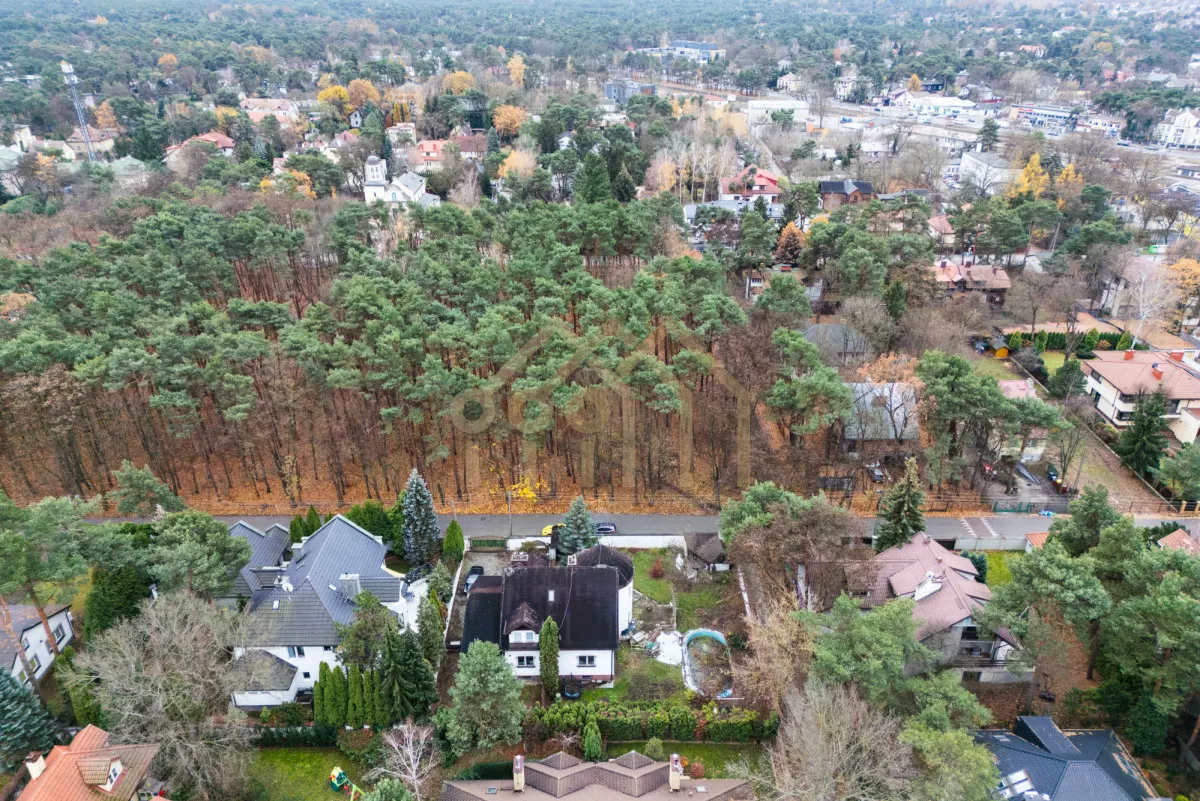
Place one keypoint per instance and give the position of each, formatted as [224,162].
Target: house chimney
[1154,371]
[349,586]
[518,774]
[1128,355]
[1175,355]
[675,774]
[35,763]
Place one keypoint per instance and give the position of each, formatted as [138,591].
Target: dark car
[472,575]
[606,528]
[1052,472]
[417,573]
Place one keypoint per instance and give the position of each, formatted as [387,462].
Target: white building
[1035,443]
[1115,381]
[989,172]
[36,641]
[759,110]
[299,594]
[407,188]
[592,604]
[1179,128]
[935,105]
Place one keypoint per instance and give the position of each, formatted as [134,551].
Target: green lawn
[655,589]
[718,758]
[996,368]
[636,669]
[1053,359]
[1000,566]
[705,596]
[298,774]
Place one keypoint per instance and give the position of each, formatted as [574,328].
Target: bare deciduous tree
[409,755]
[833,747]
[165,677]
[779,647]
[1152,290]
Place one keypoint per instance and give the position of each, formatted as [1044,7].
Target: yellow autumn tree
[106,120]
[914,83]
[508,120]
[790,245]
[458,82]
[1070,177]
[225,117]
[361,91]
[1033,179]
[167,62]
[100,20]
[326,80]
[516,70]
[1187,278]
[338,100]
[518,164]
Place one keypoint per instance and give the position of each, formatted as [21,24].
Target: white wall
[37,647]
[624,608]
[265,698]
[310,663]
[634,541]
[567,664]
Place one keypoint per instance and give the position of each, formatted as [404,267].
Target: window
[295,651]
[21,677]
[59,634]
[327,648]
[525,661]
[550,596]
[587,660]
[307,675]
[35,663]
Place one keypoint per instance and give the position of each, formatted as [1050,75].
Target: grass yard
[718,758]
[996,368]
[1053,359]
[654,589]
[1000,565]
[298,774]
[639,675]
[702,597]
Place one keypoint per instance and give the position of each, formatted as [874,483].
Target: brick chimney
[1154,371]
[1175,355]
[1128,355]
[35,763]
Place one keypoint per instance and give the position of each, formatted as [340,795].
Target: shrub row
[1056,340]
[644,720]
[297,736]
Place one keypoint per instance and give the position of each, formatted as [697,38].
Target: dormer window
[114,772]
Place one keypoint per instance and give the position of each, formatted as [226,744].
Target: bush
[361,745]
[645,720]
[733,725]
[1081,708]
[592,744]
[737,641]
[453,544]
[1147,728]
[697,770]
[320,736]
[289,715]
[654,749]
[486,771]
[656,570]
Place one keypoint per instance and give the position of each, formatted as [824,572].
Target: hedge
[294,736]
[486,771]
[1057,340]
[643,720]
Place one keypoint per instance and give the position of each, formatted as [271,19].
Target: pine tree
[593,185]
[900,515]
[1142,444]
[368,697]
[391,678]
[420,521]
[453,546]
[419,688]
[318,692]
[354,706]
[24,724]
[593,746]
[486,706]
[548,657]
[382,714]
[429,630]
[578,533]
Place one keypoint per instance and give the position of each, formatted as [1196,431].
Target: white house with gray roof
[298,596]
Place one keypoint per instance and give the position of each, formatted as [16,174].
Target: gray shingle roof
[266,550]
[1075,765]
[261,671]
[310,611]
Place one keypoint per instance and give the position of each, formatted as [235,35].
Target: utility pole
[508,494]
[73,85]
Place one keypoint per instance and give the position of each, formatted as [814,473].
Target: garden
[298,774]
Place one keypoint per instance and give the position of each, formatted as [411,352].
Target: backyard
[298,774]
[657,589]
[640,677]
[718,759]
[1000,564]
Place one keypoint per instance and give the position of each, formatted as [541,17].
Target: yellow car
[548,531]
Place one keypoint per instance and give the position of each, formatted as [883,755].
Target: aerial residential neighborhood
[600,401]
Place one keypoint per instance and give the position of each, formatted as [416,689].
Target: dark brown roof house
[633,775]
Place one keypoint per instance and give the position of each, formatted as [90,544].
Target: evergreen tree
[24,724]
[1147,727]
[895,300]
[548,656]
[454,545]
[139,492]
[1143,444]
[336,698]
[420,525]
[486,706]
[371,516]
[578,533]
[429,630]
[623,187]
[593,746]
[593,185]
[1068,380]
[83,701]
[989,135]
[354,706]
[361,640]
[391,687]
[115,594]
[312,521]
[441,583]
[318,692]
[900,515]
[380,710]
[418,683]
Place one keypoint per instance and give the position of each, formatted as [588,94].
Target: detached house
[32,633]
[1179,128]
[948,595]
[751,184]
[92,768]
[406,188]
[585,600]
[1116,379]
[298,598]
[835,194]
[991,279]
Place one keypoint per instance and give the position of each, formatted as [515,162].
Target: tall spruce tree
[354,692]
[337,697]
[593,185]
[548,656]
[420,524]
[318,692]
[381,712]
[1143,444]
[25,725]
[900,515]
[391,677]
[578,533]
[419,686]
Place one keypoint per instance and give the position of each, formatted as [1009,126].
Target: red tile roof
[1037,539]
[1133,373]
[72,771]
[904,569]
[1180,540]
